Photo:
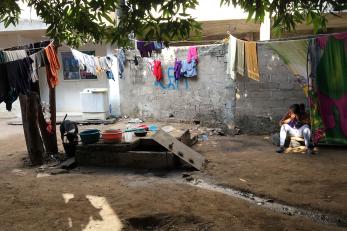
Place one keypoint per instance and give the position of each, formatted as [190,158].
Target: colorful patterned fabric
[328,89]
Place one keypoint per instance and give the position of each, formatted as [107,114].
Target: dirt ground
[113,199]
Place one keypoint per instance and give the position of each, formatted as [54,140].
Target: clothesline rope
[215,45]
[291,38]
[24,47]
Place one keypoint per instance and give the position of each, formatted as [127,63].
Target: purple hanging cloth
[145,48]
[177,69]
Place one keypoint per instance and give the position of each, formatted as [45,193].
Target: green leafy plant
[76,22]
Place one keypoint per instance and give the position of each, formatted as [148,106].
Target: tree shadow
[79,212]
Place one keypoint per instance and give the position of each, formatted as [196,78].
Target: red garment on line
[53,68]
[157,71]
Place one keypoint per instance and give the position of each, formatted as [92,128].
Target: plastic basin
[112,136]
[140,133]
[90,136]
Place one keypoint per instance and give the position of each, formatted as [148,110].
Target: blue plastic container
[90,136]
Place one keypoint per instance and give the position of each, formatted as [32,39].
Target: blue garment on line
[159,45]
[189,69]
[109,75]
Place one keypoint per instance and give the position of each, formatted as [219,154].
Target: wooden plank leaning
[181,150]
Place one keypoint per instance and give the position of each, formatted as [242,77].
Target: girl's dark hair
[302,109]
[295,108]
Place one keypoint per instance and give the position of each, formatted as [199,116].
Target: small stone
[58,171]
[185,175]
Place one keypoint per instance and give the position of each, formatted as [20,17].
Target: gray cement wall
[213,98]
[260,105]
[209,98]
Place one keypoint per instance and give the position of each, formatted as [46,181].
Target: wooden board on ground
[182,135]
[179,149]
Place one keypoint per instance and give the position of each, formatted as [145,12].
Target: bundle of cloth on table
[94,64]
[18,69]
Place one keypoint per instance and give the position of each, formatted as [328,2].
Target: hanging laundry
[158,46]
[177,69]
[136,61]
[157,71]
[106,63]
[39,60]
[240,57]
[19,75]
[322,40]
[53,67]
[2,57]
[97,65]
[86,62]
[192,54]
[14,55]
[121,63]
[189,69]
[90,65]
[79,56]
[231,56]
[252,60]
[328,91]
[7,94]
[109,75]
[15,79]
[145,48]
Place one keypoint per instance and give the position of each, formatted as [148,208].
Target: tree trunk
[49,139]
[53,111]
[29,110]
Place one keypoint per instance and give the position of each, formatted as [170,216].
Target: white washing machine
[95,103]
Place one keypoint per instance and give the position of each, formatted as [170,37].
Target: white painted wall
[265,28]
[114,95]
[68,91]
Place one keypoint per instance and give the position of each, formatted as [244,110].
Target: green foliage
[287,14]
[9,12]
[162,20]
[76,22]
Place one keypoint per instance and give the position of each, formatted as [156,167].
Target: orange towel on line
[53,68]
[252,60]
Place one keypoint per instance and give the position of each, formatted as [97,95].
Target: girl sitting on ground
[295,123]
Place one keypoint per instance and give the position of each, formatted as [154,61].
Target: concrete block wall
[213,98]
[260,105]
[208,98]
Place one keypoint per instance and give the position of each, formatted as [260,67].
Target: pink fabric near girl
[326,108]
[323,40]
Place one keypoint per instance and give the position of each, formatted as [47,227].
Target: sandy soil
[251,164]
[109,199]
